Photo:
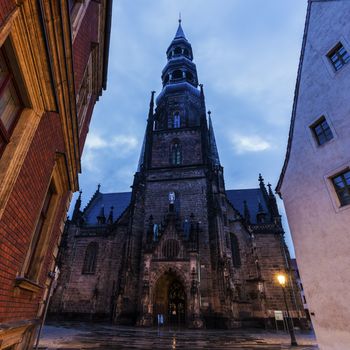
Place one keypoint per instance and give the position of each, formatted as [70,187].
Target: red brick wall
[87,34]
[6,7]
[85,126]
[19,218]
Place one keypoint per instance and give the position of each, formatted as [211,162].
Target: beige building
[315,179]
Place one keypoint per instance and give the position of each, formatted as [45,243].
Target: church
[179,248]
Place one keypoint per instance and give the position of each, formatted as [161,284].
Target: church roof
[252,196]
[180,33]
[121,200]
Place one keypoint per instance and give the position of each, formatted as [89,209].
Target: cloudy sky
[246,53]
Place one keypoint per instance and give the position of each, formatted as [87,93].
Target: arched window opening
[177,74]
[176,303]
[177,120]
[178,51]
[236,258]
[174,120]
[90,258]
[175,153]
[166,78]
[189,77]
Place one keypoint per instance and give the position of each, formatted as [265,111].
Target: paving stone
[71,336]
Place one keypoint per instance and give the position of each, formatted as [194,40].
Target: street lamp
[282,281]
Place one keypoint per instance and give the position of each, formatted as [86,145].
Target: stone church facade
[179,245]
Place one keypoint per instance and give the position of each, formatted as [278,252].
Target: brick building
[179,245]
[53,68]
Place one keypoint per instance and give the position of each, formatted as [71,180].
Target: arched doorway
[170,300]
[176,304]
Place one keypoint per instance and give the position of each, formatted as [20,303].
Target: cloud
[95,141]
[124,143]
[89,161]
[98,149]
[245,144]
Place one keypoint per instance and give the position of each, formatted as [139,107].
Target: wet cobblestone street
[104,336]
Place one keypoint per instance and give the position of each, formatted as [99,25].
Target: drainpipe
[54,276]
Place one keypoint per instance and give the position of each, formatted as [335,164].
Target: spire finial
[260,207]
[152,100]
[77,212]
[270,191]
[110,216]
[261,178]
[202,91]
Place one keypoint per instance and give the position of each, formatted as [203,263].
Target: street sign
[278,315]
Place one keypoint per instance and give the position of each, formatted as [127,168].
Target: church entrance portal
[170,300]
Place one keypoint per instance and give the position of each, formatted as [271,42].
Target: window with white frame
[338,56]
[321,130]
[341,183]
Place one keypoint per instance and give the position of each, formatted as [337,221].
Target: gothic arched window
[175,153]
[90,258]
[176,120]
[236,258]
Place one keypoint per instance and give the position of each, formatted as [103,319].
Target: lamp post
[282,281]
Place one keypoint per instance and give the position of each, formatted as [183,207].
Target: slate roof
[121,200]
[180,33]
[251,196]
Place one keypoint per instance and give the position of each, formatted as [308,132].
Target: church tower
[176,250]
[179,248]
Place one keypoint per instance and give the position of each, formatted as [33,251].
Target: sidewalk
[105,336]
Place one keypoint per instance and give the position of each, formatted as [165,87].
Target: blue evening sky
[247,54]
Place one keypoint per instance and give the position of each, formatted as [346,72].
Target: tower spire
[180,33]
[146,147]
[272,203]
[77,212]
[214,154]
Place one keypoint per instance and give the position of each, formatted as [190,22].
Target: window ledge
[26,284]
